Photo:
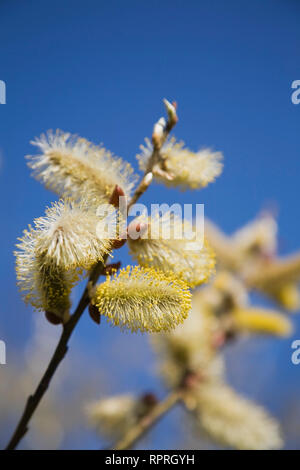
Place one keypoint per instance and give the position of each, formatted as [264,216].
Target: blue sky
[100,69]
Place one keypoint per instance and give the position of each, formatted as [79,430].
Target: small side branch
[148,421]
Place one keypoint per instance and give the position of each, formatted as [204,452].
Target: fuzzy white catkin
[234,421]
[74,167]
[182,167]
[51,254]
[166,246]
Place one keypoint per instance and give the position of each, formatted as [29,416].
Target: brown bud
[94,314]
[112,268]
[118,243]
[231,335]
[117,192]
[149,399]
[52,318]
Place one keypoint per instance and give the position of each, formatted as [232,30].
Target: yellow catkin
[261,321]
[45,285]
[288,296]
[54,288]
[143,299]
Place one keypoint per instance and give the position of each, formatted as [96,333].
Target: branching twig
[177,395]
[62,347]
[146,423]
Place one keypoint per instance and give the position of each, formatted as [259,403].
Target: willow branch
[68,328]
[148,421]
[59,354]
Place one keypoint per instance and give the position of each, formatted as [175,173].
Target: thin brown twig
[146,423]
[62,346]
[60,352]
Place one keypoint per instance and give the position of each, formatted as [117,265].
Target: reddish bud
[117,192]
[94,314]
[136,229]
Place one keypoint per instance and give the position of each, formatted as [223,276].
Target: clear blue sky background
[100,69]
